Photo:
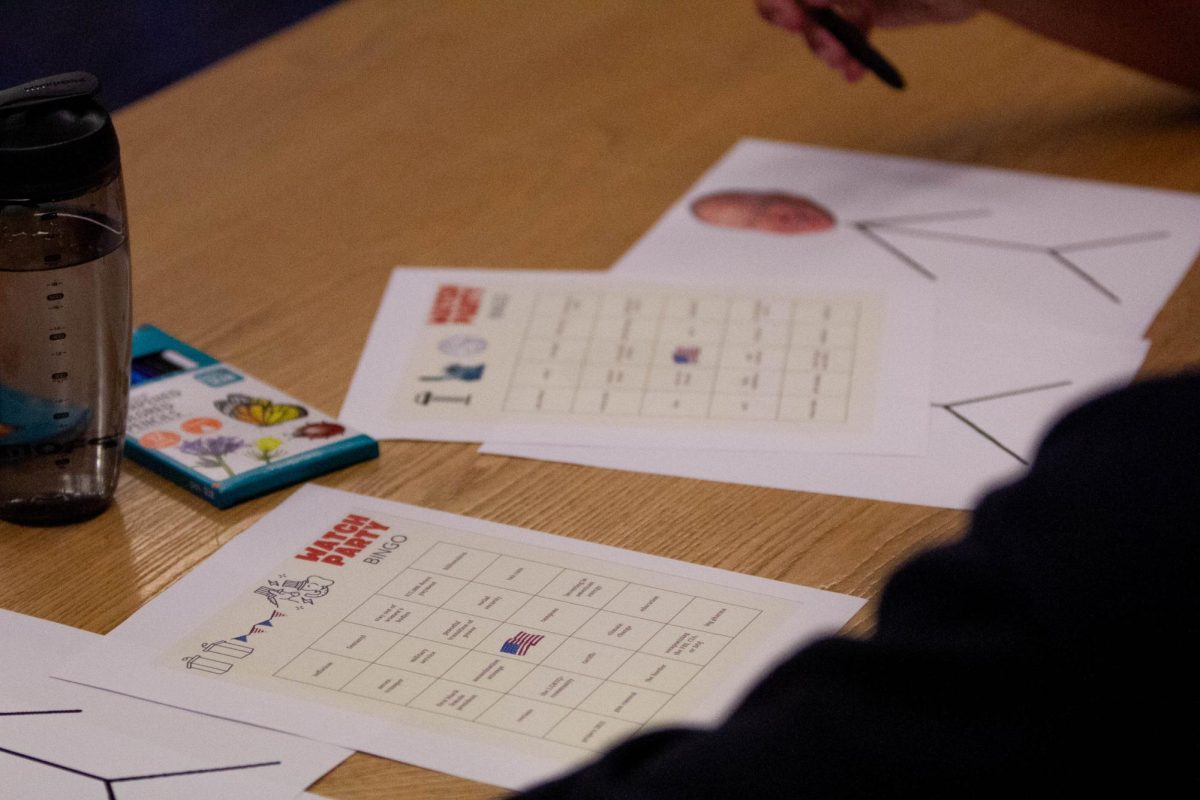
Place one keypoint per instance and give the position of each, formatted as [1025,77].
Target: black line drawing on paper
[214,665]
[952,409]
[110,783]
[299,593]
[875,229]
[226,648]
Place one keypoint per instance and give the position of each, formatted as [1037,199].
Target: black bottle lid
[56,140]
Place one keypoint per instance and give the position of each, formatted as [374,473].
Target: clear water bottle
[64,302]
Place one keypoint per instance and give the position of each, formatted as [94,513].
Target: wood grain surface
[270,195]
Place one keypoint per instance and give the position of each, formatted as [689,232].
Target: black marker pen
[856,44]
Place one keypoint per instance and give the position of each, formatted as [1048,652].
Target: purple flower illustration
[212,451]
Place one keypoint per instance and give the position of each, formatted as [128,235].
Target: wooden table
[270,195]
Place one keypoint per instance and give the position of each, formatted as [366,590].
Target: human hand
[863,14]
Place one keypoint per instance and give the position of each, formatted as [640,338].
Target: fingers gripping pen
[856,44]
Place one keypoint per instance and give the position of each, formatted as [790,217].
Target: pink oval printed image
[771,212]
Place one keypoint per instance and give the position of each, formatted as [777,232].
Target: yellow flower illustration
[266,447]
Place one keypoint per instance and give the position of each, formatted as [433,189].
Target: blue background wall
[134,46]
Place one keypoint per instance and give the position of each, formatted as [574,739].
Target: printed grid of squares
[533,648]
[652,355]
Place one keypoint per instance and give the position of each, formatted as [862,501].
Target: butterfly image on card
[259,410]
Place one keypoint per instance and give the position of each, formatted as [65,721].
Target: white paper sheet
[570,358]
[59,739]
[990,410]
[495,653]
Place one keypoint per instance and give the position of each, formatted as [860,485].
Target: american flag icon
[686,355]
[519,645]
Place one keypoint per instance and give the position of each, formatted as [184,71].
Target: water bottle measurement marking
[57,334]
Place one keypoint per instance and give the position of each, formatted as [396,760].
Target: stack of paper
[1043,286]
